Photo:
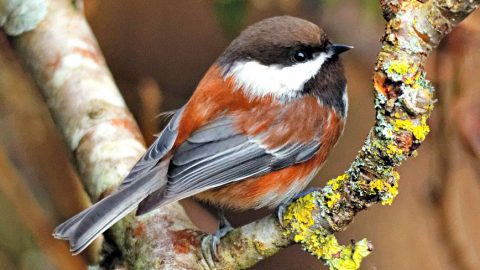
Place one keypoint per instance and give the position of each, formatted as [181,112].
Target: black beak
[336,49]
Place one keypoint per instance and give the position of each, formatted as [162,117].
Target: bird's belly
[264,191]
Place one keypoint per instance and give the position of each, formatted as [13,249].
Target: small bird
[257,129]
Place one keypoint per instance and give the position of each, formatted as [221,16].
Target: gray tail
[84,227]
[152,201]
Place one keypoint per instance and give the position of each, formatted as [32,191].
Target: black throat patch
[329,85]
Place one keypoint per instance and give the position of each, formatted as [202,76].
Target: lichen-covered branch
[403,102]
[63,56]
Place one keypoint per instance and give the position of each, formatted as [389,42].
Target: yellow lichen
[331,196]
[335,183]
[391,189]
[393,151]
[299,221]
[381,187]
[350,257]
[392,192]
[332,199]
[377,184]
[419,131]
[298,217]
[401,68]
[263,249]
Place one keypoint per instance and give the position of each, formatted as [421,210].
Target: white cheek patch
[258,80]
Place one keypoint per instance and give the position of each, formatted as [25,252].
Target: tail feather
[65,228]
[152,201]
[84,227]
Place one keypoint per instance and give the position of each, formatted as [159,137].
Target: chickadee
[254,133]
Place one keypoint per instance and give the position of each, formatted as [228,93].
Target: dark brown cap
[272,41]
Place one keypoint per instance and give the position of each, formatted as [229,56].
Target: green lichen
[424,83]
[300,220]
[412,44]
[383,128]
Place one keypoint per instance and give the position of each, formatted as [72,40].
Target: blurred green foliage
[17,242]
[370,8]
[230,15]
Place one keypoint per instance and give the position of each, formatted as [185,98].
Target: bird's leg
[224,224]
[224,227]
[279,213]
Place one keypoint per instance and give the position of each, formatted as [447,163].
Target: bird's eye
[300,56]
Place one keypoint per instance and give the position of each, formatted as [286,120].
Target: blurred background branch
[31,218]
[457,125]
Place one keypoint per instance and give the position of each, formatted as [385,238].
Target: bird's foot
[210,242]
[280,211]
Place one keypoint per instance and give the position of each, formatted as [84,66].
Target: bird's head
[286,57]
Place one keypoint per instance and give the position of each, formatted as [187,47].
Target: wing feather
[156,151]
[220,154]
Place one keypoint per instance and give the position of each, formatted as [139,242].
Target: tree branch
[63,56]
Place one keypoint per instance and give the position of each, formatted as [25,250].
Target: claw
[279,213]
[213,247]
[213,240]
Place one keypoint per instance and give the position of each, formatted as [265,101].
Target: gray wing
[149,175]
[218,154]
[156,151]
